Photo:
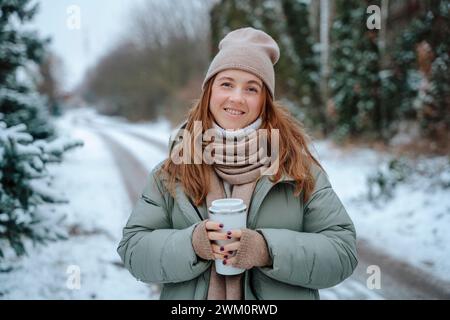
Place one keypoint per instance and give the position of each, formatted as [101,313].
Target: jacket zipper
[204,275]
[196,209]
[148,200]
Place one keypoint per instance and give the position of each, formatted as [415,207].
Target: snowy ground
[412,226]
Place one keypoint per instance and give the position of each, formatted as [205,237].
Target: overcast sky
[101,24]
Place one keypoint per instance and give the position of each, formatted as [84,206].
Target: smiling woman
[298,236]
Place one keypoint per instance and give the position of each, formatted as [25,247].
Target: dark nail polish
[229,233]
[221,225]
[225,256]
[230,252]
[224,262]
[229,237]
[221,249]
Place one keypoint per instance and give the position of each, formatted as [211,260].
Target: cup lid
[227,205]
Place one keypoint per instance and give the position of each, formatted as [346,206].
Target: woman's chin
[230,125]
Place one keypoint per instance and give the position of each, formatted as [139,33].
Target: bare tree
[154,23]
[324,49]
[50,80]
[156,67]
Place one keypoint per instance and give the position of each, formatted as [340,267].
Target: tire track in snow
[154,142]
[133,174]
[132,171]
[399,279]
[147,139]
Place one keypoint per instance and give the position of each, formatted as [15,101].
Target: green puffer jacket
[312,244]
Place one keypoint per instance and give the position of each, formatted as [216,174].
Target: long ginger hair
[295,159]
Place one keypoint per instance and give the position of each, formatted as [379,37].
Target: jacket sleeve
[321,256]
[150,248]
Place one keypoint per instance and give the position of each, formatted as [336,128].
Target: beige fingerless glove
[253,251]
[201,243]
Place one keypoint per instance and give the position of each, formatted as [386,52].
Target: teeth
[234,112]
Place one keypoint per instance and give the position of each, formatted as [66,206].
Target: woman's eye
[226,84]
[253,89]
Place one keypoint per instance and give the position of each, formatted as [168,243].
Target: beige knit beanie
[250,50]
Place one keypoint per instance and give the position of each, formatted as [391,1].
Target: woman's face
[236,99]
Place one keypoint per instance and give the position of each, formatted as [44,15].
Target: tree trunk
[324,53]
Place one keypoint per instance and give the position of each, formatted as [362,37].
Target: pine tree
[25,187]
[19,48]
[421,76]
[307,73]
[27,140]
[355,80]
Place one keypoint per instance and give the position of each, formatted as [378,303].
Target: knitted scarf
[237,161]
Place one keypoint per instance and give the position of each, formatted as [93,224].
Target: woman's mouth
[234,112]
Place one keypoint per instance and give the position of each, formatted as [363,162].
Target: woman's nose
[236,96]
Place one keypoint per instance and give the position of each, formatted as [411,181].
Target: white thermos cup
[232,213]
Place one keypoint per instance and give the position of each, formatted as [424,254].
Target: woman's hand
[247,251]
[224,252]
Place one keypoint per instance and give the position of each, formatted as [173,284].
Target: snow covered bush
[25,188]
[429,174]
[25,105]
[382,183]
